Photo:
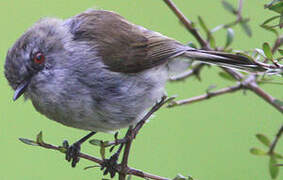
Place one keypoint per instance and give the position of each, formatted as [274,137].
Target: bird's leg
[73,151]
[111,163]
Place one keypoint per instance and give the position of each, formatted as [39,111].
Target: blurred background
[208,140]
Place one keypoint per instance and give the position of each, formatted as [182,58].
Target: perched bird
[98,72]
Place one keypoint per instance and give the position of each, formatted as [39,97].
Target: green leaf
[192,45]
[271,29]
[269,20]
[28,142]
[230,37]
[263,139]
[229,7]
[102,150]
[97,142]
[257,152]
[211,40]
[273,169]
[226,76]
[202,24]
[281,21]
[267,50]
[279,102]
[280,51]
[279,156]
[276,7]
[62,149]
[246,28]
[39,139]
[89,167]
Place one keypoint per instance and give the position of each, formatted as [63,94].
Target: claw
[72,153]
[109,165]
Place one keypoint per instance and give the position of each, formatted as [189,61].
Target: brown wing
[124,47]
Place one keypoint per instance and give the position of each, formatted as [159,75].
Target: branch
[187,23]
[275,141]
[195,71]
[252,85]
[130,171]
[206,96]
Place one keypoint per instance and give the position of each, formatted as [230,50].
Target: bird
[97,71]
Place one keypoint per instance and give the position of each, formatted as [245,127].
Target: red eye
[38,58]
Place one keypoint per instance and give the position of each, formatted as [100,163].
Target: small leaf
[226,76]
[39,139]
[102,150]
[279,102]
[202,24]
[269,20]
[217,28]
[273,169]
[246,28]
[28,142]
[230,37]
[271,29]
[277,7]
[281,21]
[229,7]
[89,167]
[257,152]
[267,50]
[280,51]
[263,139]
[192,45]
[62,149]
[279,156]
[211,40]
[95,142]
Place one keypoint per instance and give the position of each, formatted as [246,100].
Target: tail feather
[224,59]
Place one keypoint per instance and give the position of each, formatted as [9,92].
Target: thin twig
[155,108]
[207,95]
[250,83]
[187,23]
[195,71]
[239,11]
[275,141]
[130,171]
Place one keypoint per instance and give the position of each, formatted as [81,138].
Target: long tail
[225,59]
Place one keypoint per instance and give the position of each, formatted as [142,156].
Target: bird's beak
[20,90]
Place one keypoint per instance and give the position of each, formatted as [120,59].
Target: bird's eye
[38,58]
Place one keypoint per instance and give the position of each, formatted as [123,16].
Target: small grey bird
[96,71]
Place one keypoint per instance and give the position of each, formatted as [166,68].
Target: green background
[208,140]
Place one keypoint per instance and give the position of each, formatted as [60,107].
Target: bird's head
[34,54]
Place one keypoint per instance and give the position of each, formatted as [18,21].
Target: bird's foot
[110,165]
[72,153]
